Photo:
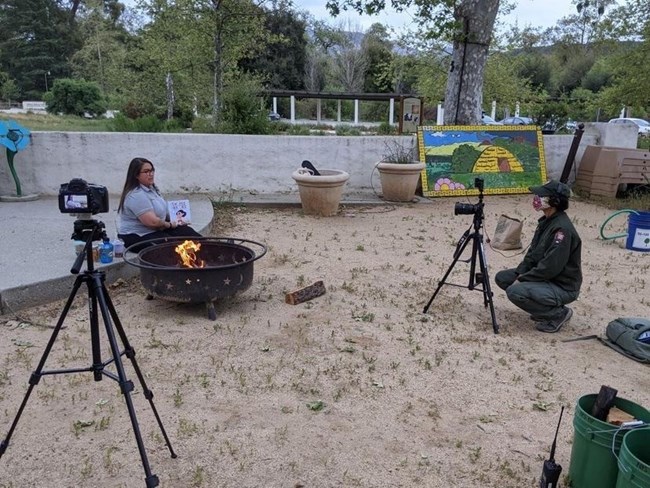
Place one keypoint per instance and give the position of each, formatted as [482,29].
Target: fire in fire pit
[201,270]
[187,251]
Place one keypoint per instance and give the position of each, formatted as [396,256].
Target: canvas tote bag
[507,234]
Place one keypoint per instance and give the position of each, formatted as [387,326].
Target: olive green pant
[543,300]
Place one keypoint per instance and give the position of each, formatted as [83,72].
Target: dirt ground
[355,388]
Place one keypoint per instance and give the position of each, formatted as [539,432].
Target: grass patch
[58,123]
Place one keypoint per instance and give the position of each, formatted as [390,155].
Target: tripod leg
[130,353]
[457,255]
[93,313]
[126,386]
[487,289]
[36,375]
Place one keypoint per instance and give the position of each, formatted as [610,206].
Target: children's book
[179,211]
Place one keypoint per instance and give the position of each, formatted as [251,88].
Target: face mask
[540,203]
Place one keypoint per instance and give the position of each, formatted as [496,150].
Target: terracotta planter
[399,181]
[320,195]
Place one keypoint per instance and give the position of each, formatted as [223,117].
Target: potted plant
[399,171]
[320,191]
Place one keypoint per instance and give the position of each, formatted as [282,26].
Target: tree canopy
[184,59]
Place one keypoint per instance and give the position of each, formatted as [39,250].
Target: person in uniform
[550,275]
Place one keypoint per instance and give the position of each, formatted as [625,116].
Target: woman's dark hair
[560,202]
[132,178]
[182,212]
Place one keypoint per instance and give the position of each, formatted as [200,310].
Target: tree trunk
[464,92]
[218,78]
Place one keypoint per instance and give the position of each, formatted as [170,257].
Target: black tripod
[477,281]
[89,231]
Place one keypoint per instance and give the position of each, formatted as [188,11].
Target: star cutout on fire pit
[226,281]
[169,286]
[188,281]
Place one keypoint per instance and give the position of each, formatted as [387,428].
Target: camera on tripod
[471,208]
[80,197]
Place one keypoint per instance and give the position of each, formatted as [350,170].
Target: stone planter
[399,181]
[320,195]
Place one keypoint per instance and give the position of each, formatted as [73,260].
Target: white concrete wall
[212,163]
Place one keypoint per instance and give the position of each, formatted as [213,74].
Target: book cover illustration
[179,211]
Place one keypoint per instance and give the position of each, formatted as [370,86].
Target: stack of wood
[603,168]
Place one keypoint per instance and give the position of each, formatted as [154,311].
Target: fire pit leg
[212,313]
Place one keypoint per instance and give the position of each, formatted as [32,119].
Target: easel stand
[98,296]
[477,281]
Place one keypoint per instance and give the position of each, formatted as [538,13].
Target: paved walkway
[37,252]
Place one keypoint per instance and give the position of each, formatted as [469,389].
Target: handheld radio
[551,471]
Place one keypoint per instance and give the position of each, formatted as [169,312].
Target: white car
[643,125]
[487,120]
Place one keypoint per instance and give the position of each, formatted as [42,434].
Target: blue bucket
[638,232]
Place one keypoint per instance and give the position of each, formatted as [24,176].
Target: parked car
[571,125]
[274,116]
[517,121]
[642,125]
[487,120]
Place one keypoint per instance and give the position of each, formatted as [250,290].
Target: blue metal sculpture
[15,138]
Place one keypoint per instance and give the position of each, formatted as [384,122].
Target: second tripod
[98,301]
[478,280]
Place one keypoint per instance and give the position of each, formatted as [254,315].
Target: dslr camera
[80,197]
[471,208]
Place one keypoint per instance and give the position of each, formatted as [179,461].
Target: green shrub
[385,129]
[75,97]
[298,130]
[148,123]
[203,125]
[347,130]
[242,112]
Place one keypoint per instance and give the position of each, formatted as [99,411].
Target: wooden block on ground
[305,294]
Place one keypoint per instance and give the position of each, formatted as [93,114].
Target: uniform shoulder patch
[559,236]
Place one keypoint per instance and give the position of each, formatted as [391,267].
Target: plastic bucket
[638,232]
[593,465]
[634,460]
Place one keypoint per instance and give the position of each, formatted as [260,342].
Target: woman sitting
[143,210]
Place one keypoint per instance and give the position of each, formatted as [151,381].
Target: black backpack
[629,336]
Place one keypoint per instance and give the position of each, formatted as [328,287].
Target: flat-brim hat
[550,189]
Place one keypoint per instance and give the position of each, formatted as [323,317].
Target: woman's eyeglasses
[147,171]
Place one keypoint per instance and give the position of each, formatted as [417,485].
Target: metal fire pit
[228,269]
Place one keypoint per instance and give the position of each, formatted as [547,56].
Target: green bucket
[593,465]
[634,460]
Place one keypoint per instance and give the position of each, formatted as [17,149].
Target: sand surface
[355,388]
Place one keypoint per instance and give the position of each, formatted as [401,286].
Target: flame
[187,252]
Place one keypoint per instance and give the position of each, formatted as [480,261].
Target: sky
[537,13]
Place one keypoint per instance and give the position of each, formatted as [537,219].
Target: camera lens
[464,208]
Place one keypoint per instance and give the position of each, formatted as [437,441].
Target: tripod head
[475,209]
[87,230]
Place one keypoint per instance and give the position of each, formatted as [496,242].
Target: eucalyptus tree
[200,42]
[468,25]
[103,56]
[630,83]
